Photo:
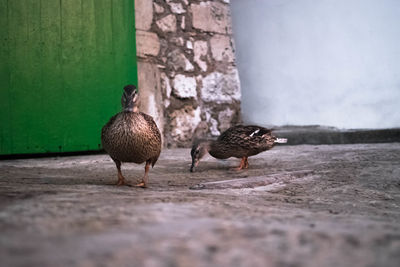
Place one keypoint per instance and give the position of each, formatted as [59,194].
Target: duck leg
[145,179]
[246,163]
[242,164]
[121,178]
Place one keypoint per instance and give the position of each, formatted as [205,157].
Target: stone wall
[186,67]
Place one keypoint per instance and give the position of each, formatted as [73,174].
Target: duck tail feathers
[281,140]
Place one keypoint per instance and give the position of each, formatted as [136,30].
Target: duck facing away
[238,141]
[131,136]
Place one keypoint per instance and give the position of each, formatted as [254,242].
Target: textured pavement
[323,205]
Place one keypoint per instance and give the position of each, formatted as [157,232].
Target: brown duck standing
[131,136]
[238,141]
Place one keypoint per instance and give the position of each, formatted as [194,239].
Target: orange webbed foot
[141,184]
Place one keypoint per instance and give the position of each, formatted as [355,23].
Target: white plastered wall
[326,62]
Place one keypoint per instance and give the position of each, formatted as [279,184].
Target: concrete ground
[323,205]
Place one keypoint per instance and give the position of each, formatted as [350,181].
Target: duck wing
[154,138]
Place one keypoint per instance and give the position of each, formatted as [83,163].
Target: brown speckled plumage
[131,136]
[238,141]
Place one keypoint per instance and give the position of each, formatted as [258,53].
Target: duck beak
[194,164]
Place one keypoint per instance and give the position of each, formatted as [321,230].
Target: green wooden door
[63,65]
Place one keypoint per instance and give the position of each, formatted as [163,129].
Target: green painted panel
[63,64]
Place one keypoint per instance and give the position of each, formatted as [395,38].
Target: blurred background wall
[187,73]
[330,62]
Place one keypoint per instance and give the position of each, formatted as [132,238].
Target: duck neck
[131,109]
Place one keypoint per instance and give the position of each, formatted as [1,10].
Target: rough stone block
[221,48]
[200,50]
[189,45]
[184,122]
[147,43]
[158,8]
[167,23]
[221,88]
[143,14]
[201,131]
[179,41]
[225,119]
[166,85]
[214,127]
[150,92]
[211,17]
[184,86]
[178,61]
[177,8]
[183,22]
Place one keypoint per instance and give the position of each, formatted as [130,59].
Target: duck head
[130,97]
[199,150]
